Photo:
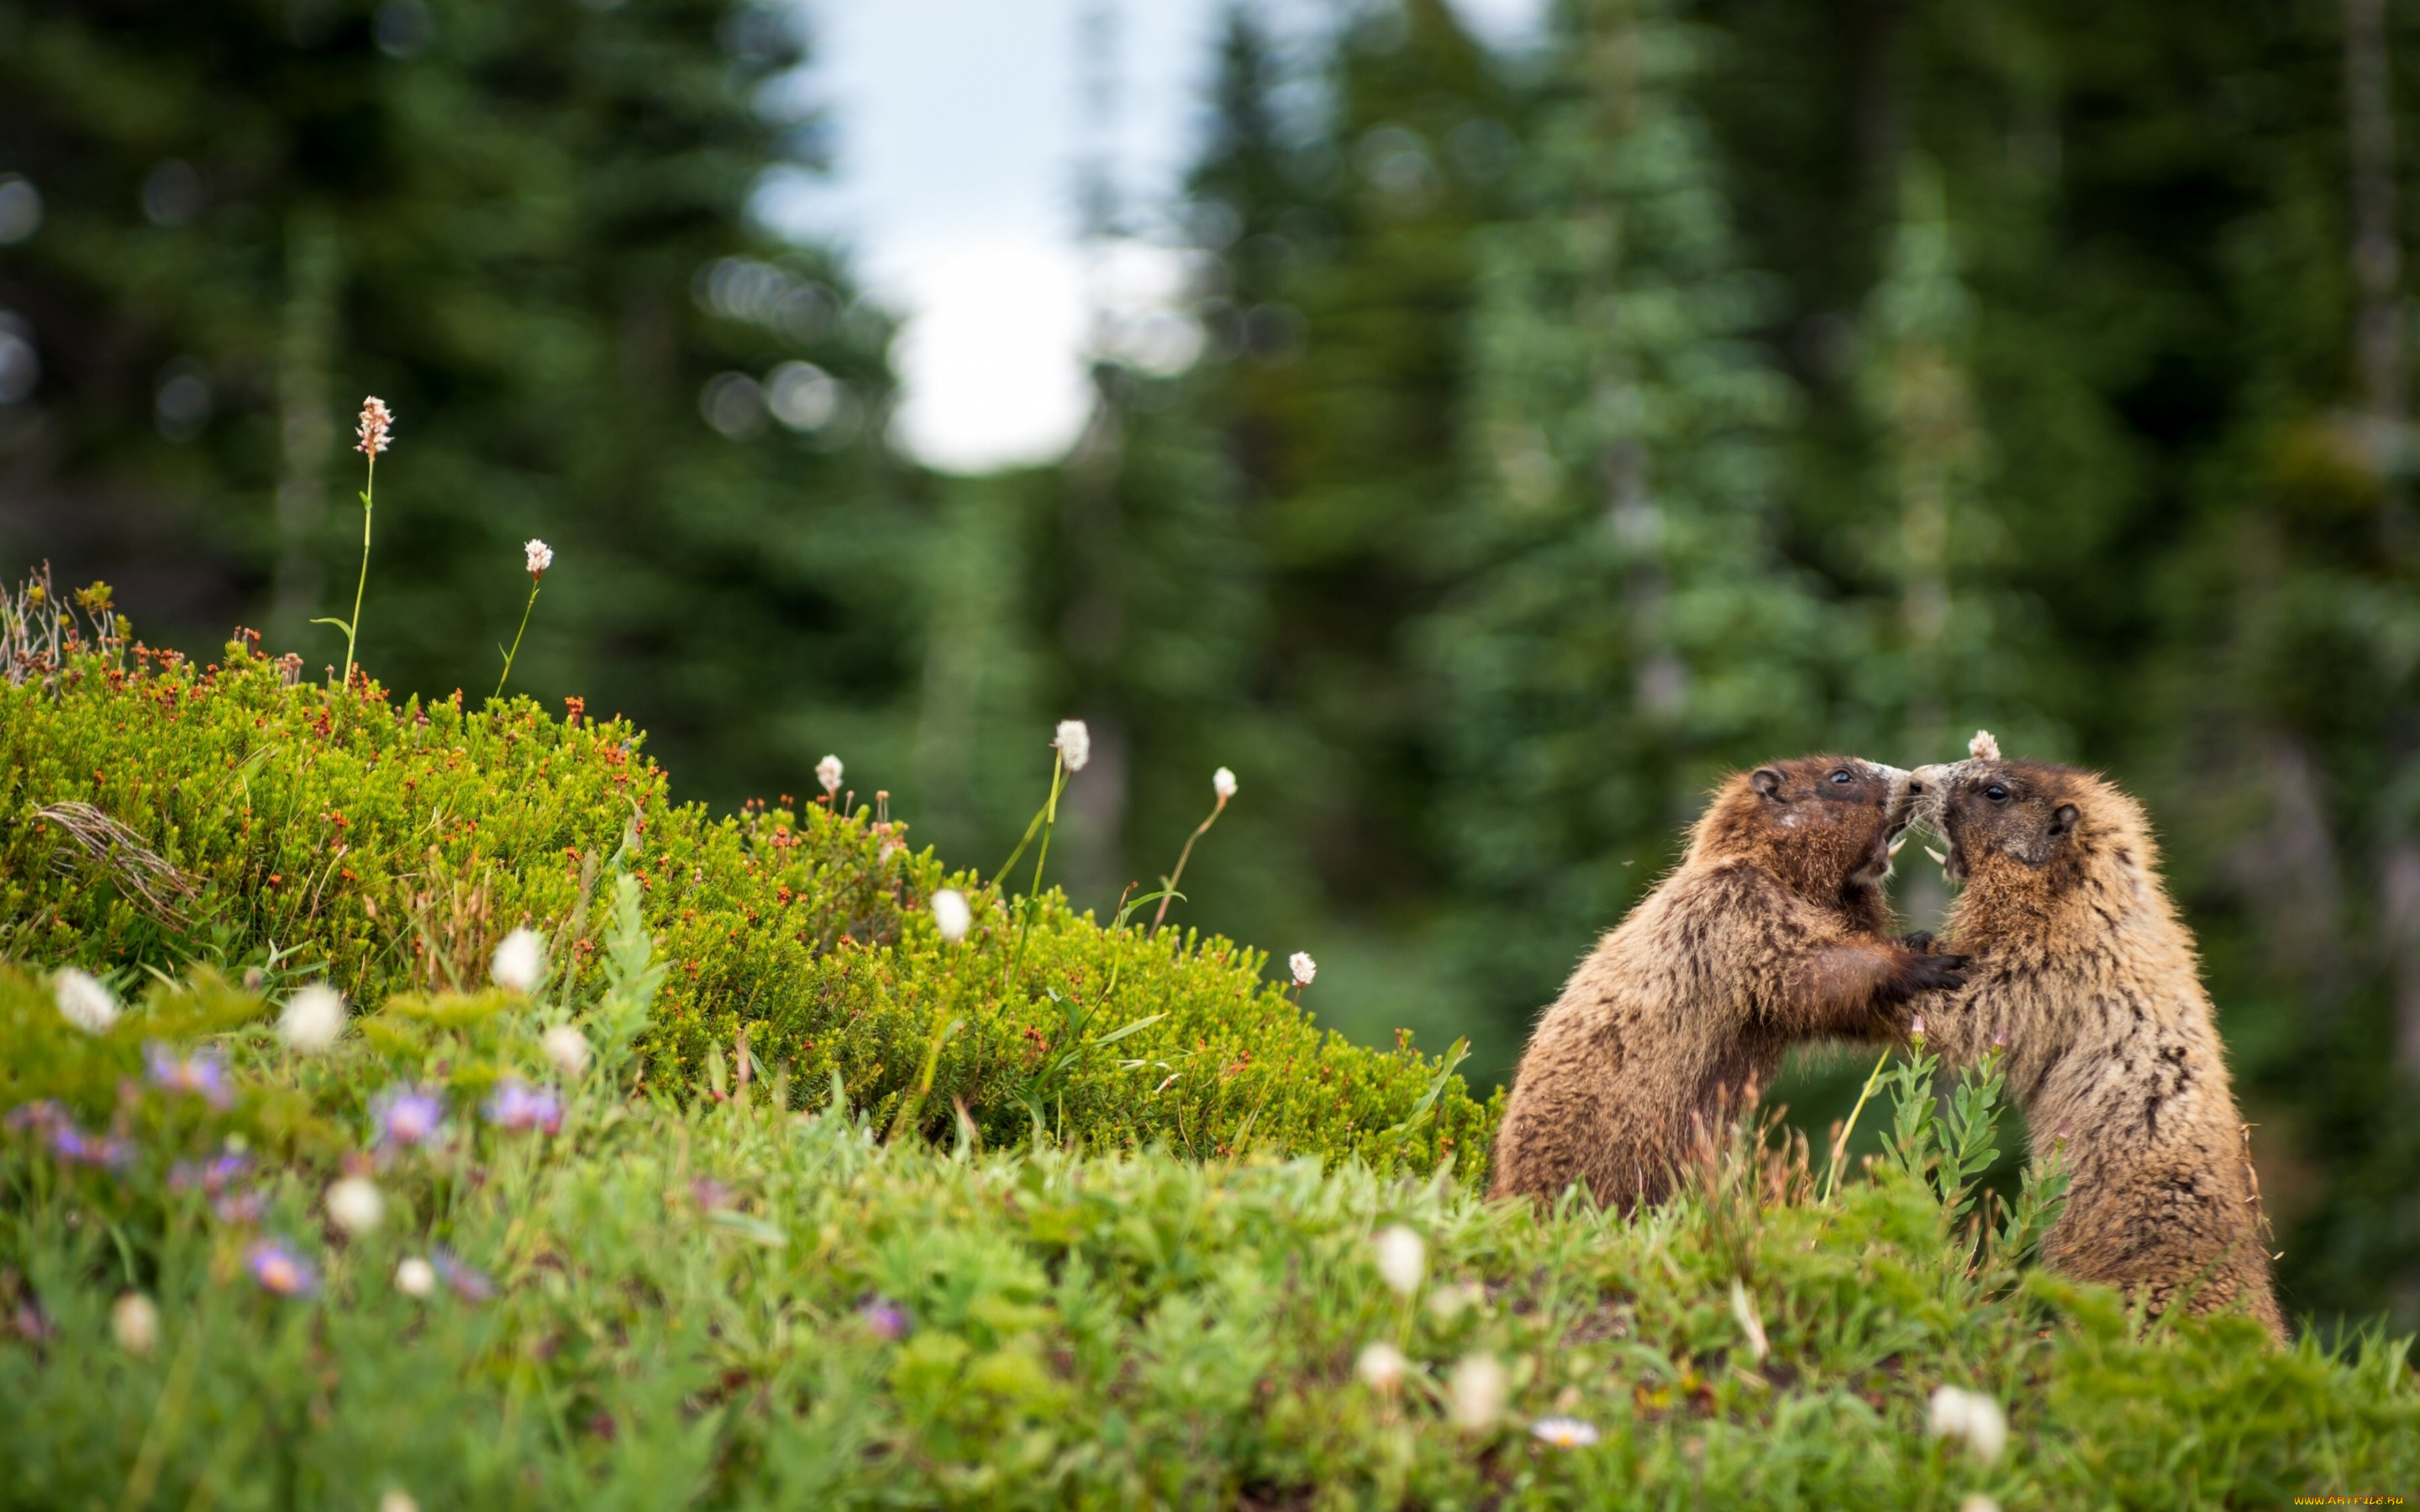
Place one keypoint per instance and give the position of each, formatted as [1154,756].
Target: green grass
[684,1294]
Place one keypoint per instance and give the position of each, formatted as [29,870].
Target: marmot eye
[1996,793]
[1842,776]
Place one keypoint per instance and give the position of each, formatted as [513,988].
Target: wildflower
[710,1195]
[83,1001]
[201,1074]
[568,1048]
[313,1020]
[1915,1028]
[279,1270]
[827,773]
[464,1281]
[537,556]
[414,1276]
[1448,1302]
[520,962]
[397,1499]
[238,1210]
[1475,1394]
[1303,966]
[134,1322]
[952,916]
[1983,748]
[1381,1368]
[520,1106]
[1402,1259]
[1979,1502]
[1750,1321]
[1222,782]
[213,1178]
[406,1116]
[1075,742]
[375,424]
[355,1205]
[1971,1417]
[884,1316]
[1564,1432]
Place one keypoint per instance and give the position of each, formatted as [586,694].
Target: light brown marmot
[2081,967]
[1771,931]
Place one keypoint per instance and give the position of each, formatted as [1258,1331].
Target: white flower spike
[568,1049]
[519,962]
[1971,1418]
[314,1019]
[1303,967]
[134,1322]
[83,1001]
[1476,1391]
[1381,1368]
[355,1205]
[827,773]
[952,916]
[1075,742]
[1403,1259]
[538,556]
[415,1277]
[1983,748]
[1222,782]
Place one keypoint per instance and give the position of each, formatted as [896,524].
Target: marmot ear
[2062,819]
[1766,781]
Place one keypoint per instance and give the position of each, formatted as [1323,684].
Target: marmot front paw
[1926,974]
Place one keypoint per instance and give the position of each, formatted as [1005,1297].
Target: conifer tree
[1625,627]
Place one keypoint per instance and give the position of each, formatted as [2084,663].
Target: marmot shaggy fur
[2080,967]
[1770,931]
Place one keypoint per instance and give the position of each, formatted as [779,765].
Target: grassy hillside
[681,1222]
[155,815]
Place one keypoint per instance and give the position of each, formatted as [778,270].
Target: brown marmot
[1771,931]
[2080,967]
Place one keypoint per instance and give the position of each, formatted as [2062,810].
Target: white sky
[958,129]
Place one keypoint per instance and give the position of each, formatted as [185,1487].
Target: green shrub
[674,1301]
[301,831]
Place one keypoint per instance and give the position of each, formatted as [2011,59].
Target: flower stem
[1840,1145]
[1167,894]
[517,641]
[353,627]
[1049,818]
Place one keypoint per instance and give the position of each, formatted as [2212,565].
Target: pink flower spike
[376,422]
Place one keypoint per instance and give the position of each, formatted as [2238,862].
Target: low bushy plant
[156,816]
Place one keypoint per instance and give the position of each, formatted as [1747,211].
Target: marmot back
[1771,931]
[2083,967]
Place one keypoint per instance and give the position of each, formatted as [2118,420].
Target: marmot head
[2026,823]
[1823,823]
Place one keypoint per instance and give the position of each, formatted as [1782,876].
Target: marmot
[2081,968]
[1771,931]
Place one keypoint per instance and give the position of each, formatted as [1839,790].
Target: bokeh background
[1477,425]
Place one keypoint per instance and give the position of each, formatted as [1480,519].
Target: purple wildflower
[710,1193]
[237,1208]
[406,1116]
[884,1316]
[279,1270]
[519,1106]
[212,1176]
[68,1140]
[467,1282]
[202,1074]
